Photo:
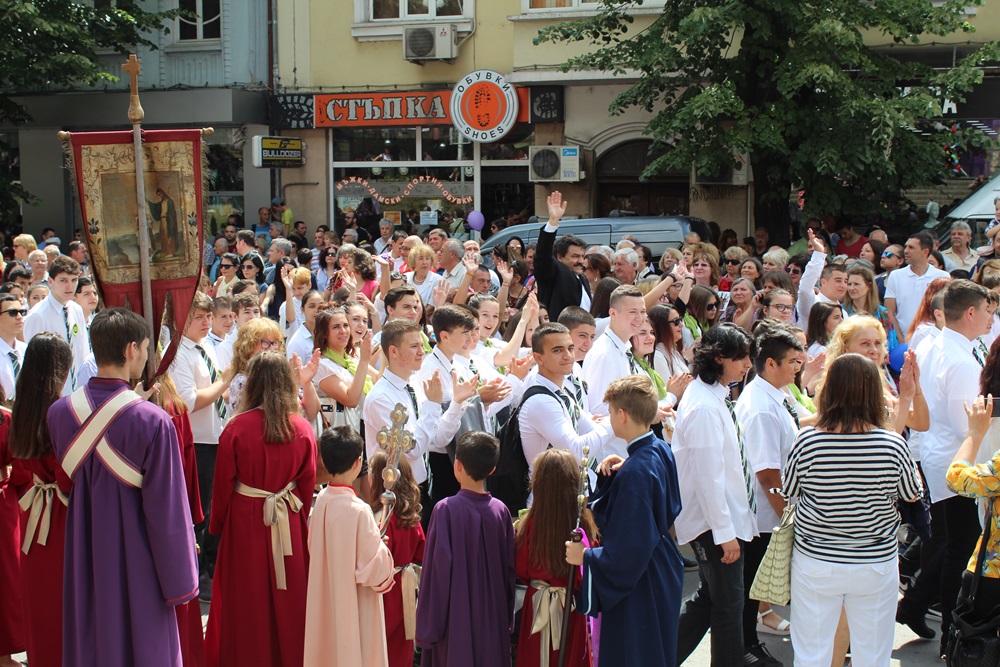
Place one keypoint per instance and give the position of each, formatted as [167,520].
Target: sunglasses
[14,312]
[395,276]
[793,270]
[890,254]
[733,262]
[248,266]
[712,306]
[677,321]
[227,266]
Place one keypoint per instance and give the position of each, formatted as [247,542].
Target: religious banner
[103,172]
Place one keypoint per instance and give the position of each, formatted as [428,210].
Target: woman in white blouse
[422,278]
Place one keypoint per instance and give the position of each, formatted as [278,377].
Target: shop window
[513,146]
[390,144]
[202,19]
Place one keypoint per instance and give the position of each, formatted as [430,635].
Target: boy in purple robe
[466,611]
[130,551]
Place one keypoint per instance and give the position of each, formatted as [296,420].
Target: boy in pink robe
[350,567]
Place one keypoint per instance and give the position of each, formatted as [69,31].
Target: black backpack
[510,483]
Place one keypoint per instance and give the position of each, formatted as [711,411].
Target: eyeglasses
[246,267]
[782,307]
[712,306]
[733,262]
[677,321]
[793,270]
[14,312]
[269,344]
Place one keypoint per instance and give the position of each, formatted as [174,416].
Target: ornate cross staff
[581,502]
[135,114]
[395,441]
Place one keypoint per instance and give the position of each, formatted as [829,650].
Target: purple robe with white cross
[130,552]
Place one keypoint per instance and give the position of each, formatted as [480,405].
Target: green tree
[55,44]
[798,86]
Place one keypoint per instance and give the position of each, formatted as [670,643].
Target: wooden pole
[135,114]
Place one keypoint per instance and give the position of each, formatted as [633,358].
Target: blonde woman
[862,298]
[257,335]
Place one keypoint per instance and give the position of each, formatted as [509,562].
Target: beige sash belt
[39,499]
[4,473]
[548,606]
[276,507]
[410,583]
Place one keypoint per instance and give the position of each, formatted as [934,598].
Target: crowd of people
[691,399]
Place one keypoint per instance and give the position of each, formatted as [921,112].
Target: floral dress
[981,481]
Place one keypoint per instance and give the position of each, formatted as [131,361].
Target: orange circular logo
[484,106]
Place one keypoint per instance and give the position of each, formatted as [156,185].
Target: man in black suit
[559,264]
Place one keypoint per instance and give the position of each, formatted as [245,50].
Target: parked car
[977,210]
[655,232]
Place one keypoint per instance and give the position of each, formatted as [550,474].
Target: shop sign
[484,106]
[392,109]
[389,193]
[547,104]
[278,152]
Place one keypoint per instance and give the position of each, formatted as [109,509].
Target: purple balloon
[476,220]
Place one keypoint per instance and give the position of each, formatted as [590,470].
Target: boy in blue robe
[634,579]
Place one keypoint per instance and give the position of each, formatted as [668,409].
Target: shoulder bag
[974,641]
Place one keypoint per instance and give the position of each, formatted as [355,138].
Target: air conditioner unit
[729,175]
[430,42]
[553,163]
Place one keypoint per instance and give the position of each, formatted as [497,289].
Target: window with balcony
[202,19]
[415,9]
[380,20]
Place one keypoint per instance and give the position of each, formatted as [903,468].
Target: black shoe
[757,656]
[690,565]
[205,588]
[914,620]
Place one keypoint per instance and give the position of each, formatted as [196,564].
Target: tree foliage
[814,92]
[56,44]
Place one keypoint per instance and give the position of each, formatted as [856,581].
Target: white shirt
[606,362]
[7,379]
[545,423]
[455,276]
[380,245]
[190,373]
[487,373]
[668,367]
[426,288]
[47,315]
[768,433]
[224,352]
[710,469]
[807,285]
[923,331]
[948,379]
[382,399]
[301,343]
[215,339]
[436,361]
[907,288]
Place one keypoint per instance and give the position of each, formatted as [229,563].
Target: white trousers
[820,589]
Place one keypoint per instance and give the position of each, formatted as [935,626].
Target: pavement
[908,650]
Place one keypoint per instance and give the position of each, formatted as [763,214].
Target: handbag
[972,641]
[773,581]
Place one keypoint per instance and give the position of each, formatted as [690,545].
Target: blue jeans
[717,604]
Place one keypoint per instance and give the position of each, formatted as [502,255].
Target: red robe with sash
[42,566]
[12,601]
[407,546]
[130,550]
[189,614]
[252,621]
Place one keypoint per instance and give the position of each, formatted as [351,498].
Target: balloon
[896,357]
[476,220]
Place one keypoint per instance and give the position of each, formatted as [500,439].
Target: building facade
[210,71]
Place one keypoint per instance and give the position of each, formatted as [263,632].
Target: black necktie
[571,407]
[413,401]
[69,339]
[792,412]
[747,477]
[213,374]
[15,363]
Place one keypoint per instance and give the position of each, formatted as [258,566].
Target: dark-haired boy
[130,551]
[634,580]
[582,328]
[349,565]
[59,313]
[12,350]
[717,490]
[466,610]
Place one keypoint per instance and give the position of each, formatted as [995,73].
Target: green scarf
[692,325]
[661,386]
[351,364]
[488,343]
[801,398]
[425,340]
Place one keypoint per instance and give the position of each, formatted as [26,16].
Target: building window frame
[199,23]
[578,7]
[368,29]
